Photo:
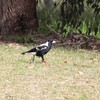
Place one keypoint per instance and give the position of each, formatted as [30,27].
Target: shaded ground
[73,40]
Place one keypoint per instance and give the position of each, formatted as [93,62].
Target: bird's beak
[55,42]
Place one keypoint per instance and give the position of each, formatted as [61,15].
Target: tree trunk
[17,15]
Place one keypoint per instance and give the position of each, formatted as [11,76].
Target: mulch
[73,40]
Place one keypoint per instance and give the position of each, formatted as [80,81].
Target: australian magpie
[41,50]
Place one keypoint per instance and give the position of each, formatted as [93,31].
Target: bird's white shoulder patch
[43,48]
[44,44]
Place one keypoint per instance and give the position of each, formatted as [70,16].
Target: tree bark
[17,15]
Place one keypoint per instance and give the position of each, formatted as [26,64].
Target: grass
[69,75]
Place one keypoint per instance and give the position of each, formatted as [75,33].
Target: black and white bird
[41,50]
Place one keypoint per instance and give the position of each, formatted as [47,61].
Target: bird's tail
[33,51]
[23,53]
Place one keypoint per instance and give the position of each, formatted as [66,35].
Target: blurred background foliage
[65,16]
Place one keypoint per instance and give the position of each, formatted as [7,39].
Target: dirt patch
[73,40]
[77,40]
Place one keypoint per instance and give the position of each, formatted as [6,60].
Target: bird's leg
[42,59]
[33,58]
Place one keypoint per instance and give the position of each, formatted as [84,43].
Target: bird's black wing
[30,51]
[41,48]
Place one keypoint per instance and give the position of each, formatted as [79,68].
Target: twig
[53,31]
[63,44]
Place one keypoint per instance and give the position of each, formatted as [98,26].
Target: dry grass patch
[70,75]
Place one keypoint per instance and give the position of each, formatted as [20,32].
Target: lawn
[69,74]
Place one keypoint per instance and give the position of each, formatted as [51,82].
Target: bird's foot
[32,60]
[45,62]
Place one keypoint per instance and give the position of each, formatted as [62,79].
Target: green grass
[52,17]
[69,75]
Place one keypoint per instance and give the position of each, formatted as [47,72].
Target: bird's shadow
[30,62]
